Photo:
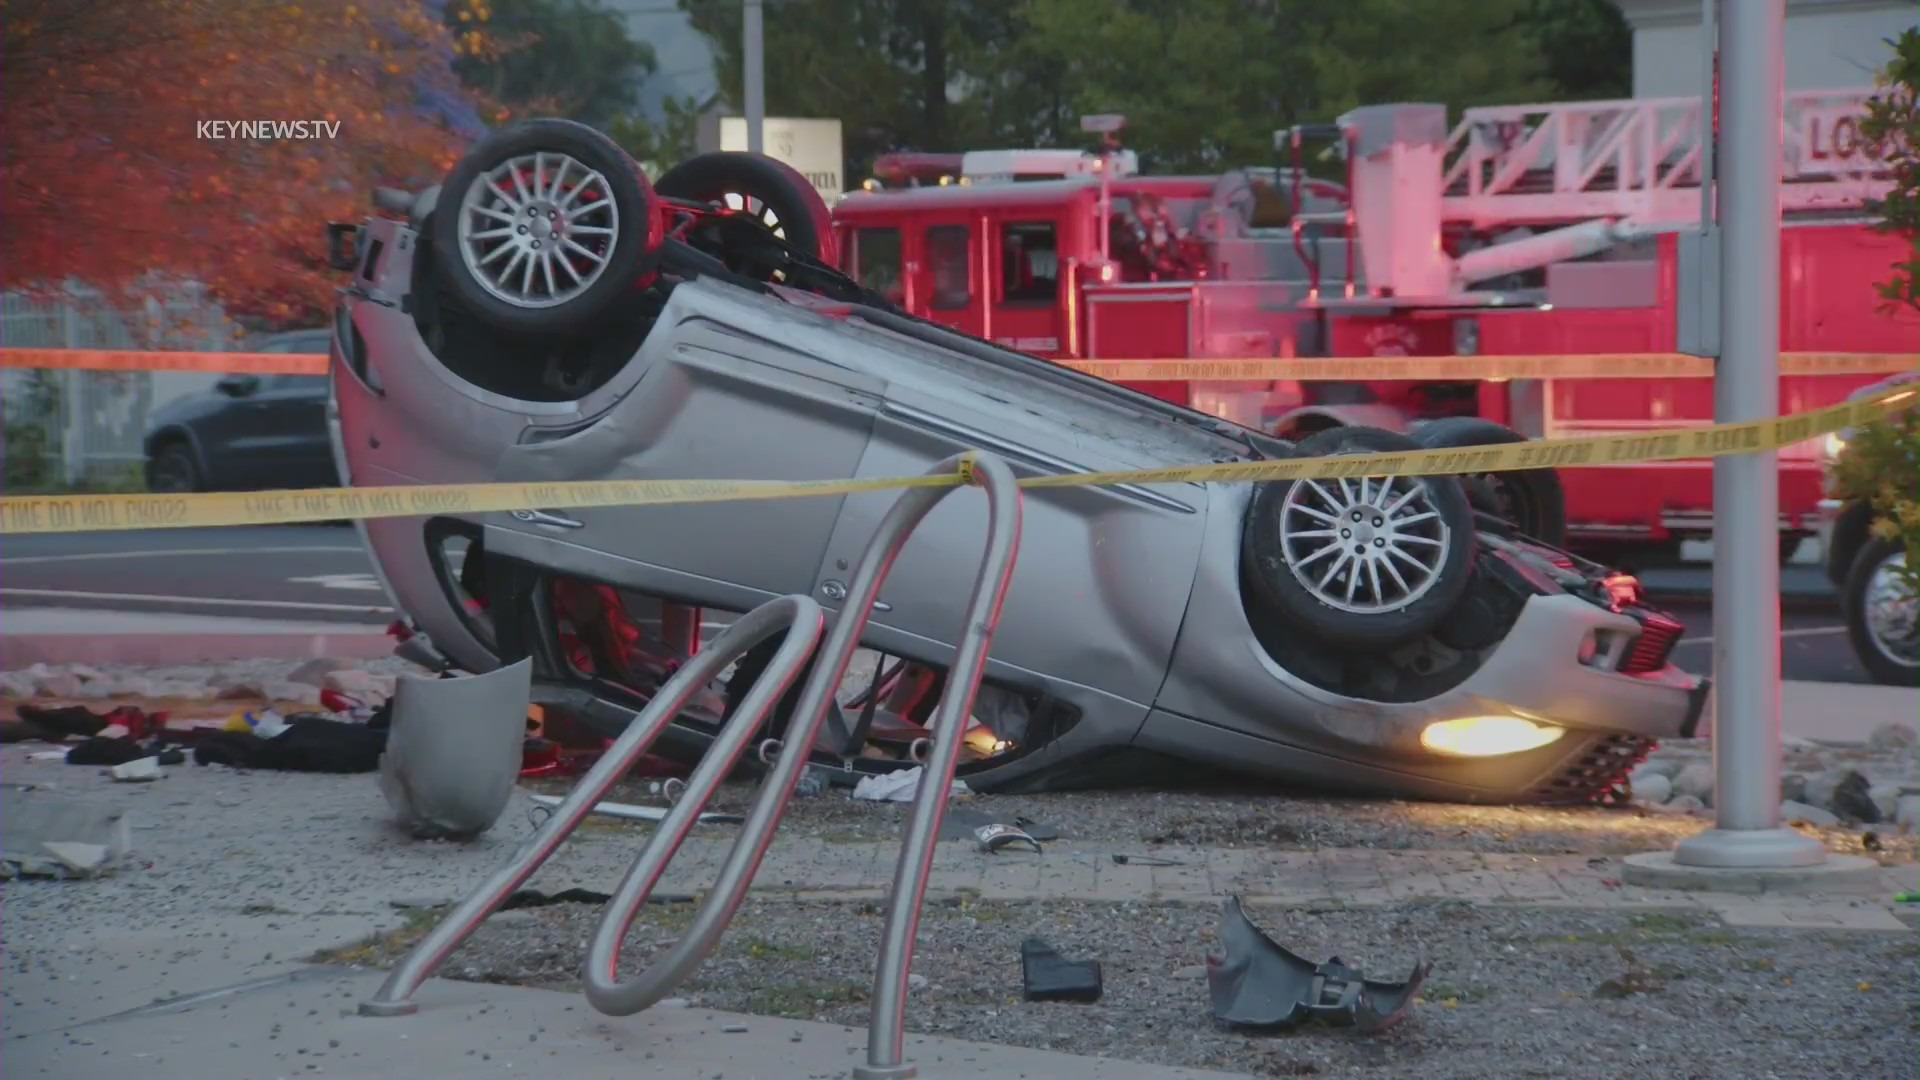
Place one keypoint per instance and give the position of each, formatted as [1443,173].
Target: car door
[947,270]
[1024,270]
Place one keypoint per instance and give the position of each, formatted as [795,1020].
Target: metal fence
[68,430]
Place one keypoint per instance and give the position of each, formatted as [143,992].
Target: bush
[1881,462]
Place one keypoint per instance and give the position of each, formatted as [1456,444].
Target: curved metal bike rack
[802,619]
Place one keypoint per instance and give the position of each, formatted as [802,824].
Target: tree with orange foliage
[113,174]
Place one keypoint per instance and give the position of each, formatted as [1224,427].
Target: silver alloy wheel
[1367,545]
[1892,612]
[542,244]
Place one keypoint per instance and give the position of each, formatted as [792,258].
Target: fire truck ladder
[801,619]
[1639,160]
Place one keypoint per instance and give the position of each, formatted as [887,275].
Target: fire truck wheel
[543,227]
[1366,563]
[769,189]
[1533,499]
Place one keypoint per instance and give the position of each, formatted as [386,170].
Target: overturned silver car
[546,314]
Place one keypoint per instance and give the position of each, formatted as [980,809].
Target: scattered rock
[1664,766]
[1652,788]
[1679,804]
[1853,799]
[1822,787]
[1696,781]
[355,682]
[1893,739]
[315,673]
[916,982]
[1793,787]
[58,686]
[509,918]
[1906,813]
[1791,812]
[1886,800]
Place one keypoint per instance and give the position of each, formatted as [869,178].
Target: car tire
[173,470]
[510,291]
[1533,499]
[1885,660]
[786,196]
[1432,554]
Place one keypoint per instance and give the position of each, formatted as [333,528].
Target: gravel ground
[1251,816]
[1515,992]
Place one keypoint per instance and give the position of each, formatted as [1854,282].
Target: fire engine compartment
[1532,230]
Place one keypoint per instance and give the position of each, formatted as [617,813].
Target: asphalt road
[319,573]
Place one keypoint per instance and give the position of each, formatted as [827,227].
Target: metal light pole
[753,53]
[1746,492]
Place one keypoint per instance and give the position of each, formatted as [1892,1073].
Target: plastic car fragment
[453,755]
[1256,983]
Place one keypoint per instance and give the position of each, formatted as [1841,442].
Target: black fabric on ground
[68,721]
[310,744]
[98,751]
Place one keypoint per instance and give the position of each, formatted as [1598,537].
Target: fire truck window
[1029,263]
[876,255]
[947,260]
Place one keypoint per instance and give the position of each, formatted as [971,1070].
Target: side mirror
[342,251]
[238,386]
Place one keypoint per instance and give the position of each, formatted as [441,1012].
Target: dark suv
[248,431]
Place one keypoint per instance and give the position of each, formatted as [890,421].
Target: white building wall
[1830,44]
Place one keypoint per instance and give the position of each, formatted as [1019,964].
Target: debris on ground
[1256,983]
[544,805]
[965,823]
[43,835]
[993,838]
[137,771]
[1145,860]
[899,786]
[454,750]
[1048,976]
[1859,783]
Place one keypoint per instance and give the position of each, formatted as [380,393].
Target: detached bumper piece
[1256,983]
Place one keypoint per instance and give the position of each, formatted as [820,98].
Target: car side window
[1029,262]
[947,261]
[876,254]
[303,384]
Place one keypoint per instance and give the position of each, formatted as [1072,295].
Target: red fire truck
[1522,230]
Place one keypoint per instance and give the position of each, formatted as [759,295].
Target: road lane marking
[96,556]
[1804,631]
[205,601]
[355,582]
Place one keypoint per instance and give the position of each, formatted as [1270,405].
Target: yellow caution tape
[1299,369]
[85,513]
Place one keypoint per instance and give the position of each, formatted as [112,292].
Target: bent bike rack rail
[802,620]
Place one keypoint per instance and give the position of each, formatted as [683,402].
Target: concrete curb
[18,651]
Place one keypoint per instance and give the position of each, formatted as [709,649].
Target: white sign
[1831,142]
[814,147]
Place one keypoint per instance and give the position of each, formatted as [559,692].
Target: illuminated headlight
[1832,445]
[1487,736]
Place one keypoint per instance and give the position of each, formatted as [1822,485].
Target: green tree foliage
[657,146]
[1203,83]
[568,58]
[1882,463]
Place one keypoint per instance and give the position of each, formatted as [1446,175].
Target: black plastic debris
[1048,976]
[1256,983]
[1145,860]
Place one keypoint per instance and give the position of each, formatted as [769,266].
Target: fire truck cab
[1522,230]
